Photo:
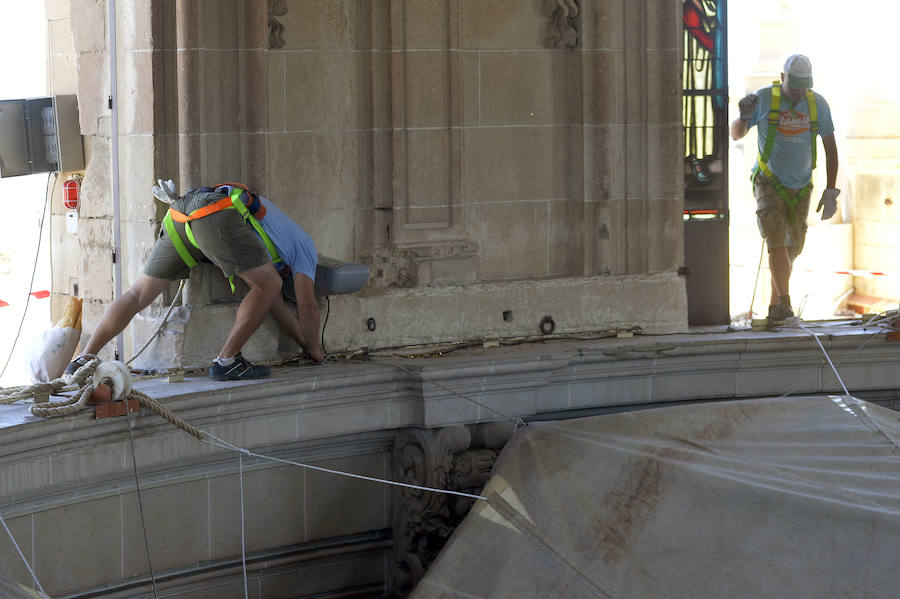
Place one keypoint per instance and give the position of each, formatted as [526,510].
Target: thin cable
[22,555]
[243,548]
[159,328]
[847,357]
[226,445]
[514,419]
[827,357]
[756,280]
[324,324]
[137,485]
[33,271]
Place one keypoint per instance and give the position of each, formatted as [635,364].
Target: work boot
[780,313]
[238,370]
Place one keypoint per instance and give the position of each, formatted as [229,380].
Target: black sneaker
[238,370]
[780,313]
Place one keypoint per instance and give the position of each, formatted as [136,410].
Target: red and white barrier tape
[42,294]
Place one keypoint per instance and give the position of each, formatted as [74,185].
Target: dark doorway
[705,119]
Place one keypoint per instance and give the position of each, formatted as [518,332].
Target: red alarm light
[70,193]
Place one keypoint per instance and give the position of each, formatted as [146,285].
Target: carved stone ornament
[277,8]
[562,29]
[423,520]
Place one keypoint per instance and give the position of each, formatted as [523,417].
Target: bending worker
[788,116]
[245,235]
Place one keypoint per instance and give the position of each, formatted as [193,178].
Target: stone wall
[483,158]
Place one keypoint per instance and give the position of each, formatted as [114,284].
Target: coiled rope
[82,381]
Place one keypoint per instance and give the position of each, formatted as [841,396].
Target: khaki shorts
[223,237]
[773,218]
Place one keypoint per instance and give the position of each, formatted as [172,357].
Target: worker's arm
[747,107]
[831,160]
[739,129]
[304,326]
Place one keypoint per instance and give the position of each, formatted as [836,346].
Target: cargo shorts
[224,239]
[773,217]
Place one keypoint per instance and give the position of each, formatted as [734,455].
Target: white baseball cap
[799,71]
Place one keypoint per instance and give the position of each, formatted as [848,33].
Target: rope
[514,419]
[222,444]
[54,387]
[243,546]
[827,357]
[22,555]
[166,414]
[73,405]
[33,270]
[137,486]
[163,322]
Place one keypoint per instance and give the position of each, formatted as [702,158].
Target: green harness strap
[762,165]
[237,204]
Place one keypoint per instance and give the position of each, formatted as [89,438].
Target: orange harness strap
[181,217]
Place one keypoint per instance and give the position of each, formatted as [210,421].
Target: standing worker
[789,115]
[245,235]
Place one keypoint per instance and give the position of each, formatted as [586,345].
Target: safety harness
[237,197]
[762,165]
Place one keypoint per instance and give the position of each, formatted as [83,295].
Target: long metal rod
[114,139]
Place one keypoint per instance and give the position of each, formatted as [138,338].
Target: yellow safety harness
[236,200]
[790,199]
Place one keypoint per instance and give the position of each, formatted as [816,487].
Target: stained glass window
[704,103]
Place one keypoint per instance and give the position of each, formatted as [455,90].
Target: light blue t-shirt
[791,158]
[293,243]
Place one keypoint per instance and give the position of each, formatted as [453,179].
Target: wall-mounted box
[40,135]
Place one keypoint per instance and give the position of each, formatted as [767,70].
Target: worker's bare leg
[780,266]
[120,313]
[265,285]
[302,327]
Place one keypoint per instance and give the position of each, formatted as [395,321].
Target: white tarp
[789,497]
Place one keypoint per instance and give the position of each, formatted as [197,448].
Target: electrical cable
[37,255]
[159,328]
[324,324]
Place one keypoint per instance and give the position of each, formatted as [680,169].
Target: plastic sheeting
[789,497]
[14,590]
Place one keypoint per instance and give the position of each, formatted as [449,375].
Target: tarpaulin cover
[14,590]
[788,497]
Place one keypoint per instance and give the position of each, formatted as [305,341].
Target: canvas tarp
[787,497]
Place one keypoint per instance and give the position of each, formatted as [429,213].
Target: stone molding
[277,8]
[563,27]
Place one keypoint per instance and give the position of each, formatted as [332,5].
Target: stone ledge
[306,404]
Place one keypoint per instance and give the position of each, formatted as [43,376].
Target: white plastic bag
[50,352]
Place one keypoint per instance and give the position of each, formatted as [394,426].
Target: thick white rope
[22,555]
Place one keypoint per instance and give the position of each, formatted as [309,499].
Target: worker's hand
[164,191]
[747,106]
[316,354]
[828,203]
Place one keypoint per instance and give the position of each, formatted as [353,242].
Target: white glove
[164,191]
[747,106]
[828,203]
